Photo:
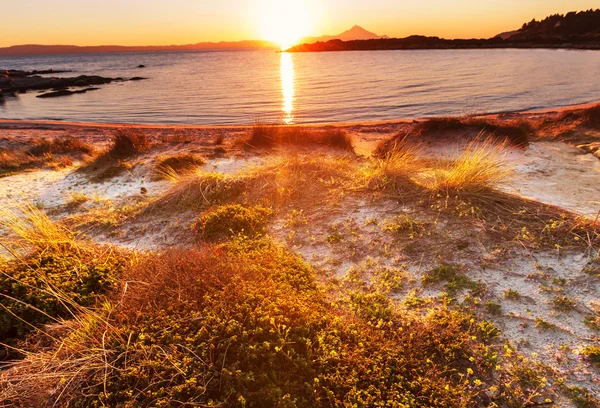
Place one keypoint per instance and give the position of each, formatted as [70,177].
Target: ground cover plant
[232,220]
[245,324]
[50,276]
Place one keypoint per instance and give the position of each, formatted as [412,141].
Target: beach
[512,252]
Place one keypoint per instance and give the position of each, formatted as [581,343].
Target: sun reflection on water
[287,87]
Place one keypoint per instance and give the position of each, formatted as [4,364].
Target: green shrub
[451,274]
[232,219]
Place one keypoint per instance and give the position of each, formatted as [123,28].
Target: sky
[164,22]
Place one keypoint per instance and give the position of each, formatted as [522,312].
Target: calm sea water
[240,87]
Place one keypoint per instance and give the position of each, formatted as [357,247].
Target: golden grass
[280,180]
[479,168]
[168,167]
[30,227]
[395,171]
[54,154]
[514,133]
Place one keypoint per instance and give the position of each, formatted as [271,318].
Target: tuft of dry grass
[31,228]
[478,169]
[16,160]
[60,146]
[111,170]
[128,142]
[270,136]
[198,190]
[177,164]
[54,154]
[394,171]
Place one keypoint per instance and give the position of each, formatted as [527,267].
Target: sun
[285,22]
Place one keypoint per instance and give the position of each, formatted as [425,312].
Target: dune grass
[394,171]
[515,133]
[67,145]
[126,144]
[270,136]
[478,169]
[298,178]
[169,167]
[43,153]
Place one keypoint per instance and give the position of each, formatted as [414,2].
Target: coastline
[400,121]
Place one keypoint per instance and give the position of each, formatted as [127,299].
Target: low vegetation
[299,178]
[172,166]
[454,278]
[517,134]
[270,136]
[43,153]
[587,117]
[477,170]
[126,144]
[245,324]
[58,146]
[389,314]
[232,220]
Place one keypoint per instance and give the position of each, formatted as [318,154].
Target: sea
[265,86]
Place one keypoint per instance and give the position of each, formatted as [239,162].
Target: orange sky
[158,22]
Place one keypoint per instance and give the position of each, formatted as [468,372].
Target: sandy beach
[344,228]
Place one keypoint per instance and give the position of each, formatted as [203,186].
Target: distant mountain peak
[355,33]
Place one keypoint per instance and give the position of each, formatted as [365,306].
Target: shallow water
[240,87]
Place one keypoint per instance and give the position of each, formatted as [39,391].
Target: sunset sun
[285,22]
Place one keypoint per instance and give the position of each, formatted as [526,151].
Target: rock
[22,81]
[590,148]
[141,66]
[144,190]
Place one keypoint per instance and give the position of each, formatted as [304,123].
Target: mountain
[355,33]
[33,49]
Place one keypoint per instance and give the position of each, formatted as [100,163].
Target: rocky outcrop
[65,92]
[14,81]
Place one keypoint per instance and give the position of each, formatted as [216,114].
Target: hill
[578,30]
[33,49]
[572,26]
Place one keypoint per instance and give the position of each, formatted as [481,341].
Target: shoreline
[69,124]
